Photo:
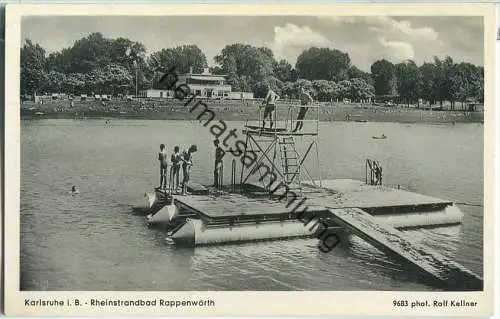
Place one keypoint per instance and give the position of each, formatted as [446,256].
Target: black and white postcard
[243,159]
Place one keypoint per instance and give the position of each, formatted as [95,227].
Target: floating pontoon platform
[374,213]
[400,208]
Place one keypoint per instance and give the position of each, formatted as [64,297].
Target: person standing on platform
[162,157]
[305,101]
[269,106]
[176,168]
[187,163]
[219,154]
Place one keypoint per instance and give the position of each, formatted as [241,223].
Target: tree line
[95,64]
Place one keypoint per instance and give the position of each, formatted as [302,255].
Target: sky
[366,39]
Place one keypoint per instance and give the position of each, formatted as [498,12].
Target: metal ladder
[290,163]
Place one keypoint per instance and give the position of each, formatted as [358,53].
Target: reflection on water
[93,242]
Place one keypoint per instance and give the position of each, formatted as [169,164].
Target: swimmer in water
[74,190]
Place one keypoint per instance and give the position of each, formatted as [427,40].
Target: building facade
[153,93]
[204,85]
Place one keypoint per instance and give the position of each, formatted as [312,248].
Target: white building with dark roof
[204,85]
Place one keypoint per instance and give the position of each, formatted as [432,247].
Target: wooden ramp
[393,242]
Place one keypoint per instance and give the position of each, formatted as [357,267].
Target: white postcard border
[243,303]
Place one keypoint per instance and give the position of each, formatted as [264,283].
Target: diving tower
[279,160]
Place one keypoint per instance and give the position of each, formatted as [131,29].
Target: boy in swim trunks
[305,102]
[270,106]
[176,167]
[187,163]
[163,158]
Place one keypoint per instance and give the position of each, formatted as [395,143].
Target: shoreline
[238,112]
[403,118]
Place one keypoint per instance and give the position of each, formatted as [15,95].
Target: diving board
[393,242]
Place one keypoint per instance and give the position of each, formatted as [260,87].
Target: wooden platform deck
[233,205]
[354,193]
[395,243]
[343,193]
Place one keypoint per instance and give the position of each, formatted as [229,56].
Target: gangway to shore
[394,243]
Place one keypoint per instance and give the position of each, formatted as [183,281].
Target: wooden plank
[264,130]
[394,242]
[233,205]
[277,133]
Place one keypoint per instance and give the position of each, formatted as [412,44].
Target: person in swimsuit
[187,163]
[176,167]
[305,100]
[74,190]
[219,154]
[162,157]
[270,106]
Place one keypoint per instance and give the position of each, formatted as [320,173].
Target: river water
[93,241]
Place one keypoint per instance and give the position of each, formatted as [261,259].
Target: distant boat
[383,137]
[360,121]
[39,113]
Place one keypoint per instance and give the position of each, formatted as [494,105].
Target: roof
[206,77]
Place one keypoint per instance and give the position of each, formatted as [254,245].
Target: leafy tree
[89,53]
[325,90]
[246,60]
[429,82]
[33,76]
[56,82]
[182,58]
[283,71]
[478,92]
[384,78]
[271,82]
[75,83]
[444,70]
[361,90]
[248,67]
[112,79]
[354,73]
[409,81]
[466,82]
[292,89]
[345,91]
[323,64]
[110,66]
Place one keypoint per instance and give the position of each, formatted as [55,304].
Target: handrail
[233,174]
[288,122]
[221,175]
[375,172]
